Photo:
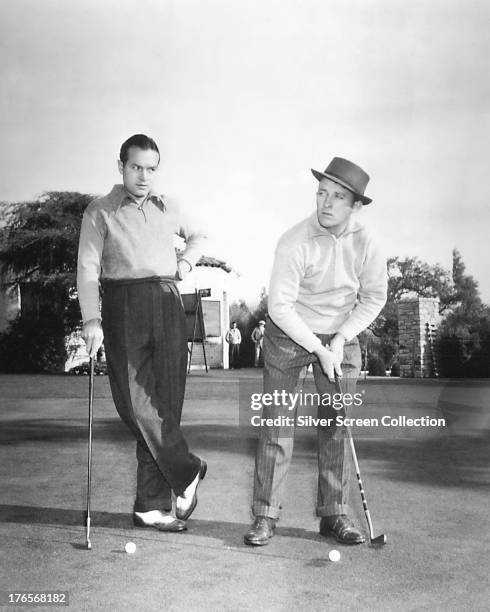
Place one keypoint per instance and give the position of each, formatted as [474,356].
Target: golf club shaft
[359,482]
[358,471]
[89,459]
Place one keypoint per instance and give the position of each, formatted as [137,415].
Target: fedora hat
[347,174]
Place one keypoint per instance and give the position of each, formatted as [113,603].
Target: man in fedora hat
[328,284]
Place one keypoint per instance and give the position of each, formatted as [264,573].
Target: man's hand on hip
[93,336]
[183,269]
[329,362]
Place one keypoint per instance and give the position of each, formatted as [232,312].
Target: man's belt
[119,282]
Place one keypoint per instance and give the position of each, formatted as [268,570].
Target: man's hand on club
[93,336]
[329,362]
[337,347]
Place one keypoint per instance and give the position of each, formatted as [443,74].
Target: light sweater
[233,336]
[325,284]
[120,238]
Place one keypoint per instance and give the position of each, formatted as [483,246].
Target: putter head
[89,545]
[379,540]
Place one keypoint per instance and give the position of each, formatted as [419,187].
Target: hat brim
[321,175]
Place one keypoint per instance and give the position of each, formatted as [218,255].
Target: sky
[243,98]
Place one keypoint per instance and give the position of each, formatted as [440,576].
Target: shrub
[30,346]
[395,369]
[451,356]
[376,367]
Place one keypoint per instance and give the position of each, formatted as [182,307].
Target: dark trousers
[146,350]
[284,362]
[234,355]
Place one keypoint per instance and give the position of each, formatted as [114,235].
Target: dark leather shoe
[342,528]
[261,531]
[186,503]
[162,523]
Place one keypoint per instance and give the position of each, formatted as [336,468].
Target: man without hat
[328,284]
[127,246]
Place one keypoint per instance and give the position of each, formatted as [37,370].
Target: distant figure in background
[234,339]
[258,340]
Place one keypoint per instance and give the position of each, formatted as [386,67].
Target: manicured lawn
[427,489]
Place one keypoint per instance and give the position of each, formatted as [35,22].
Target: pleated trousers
[284,363]
[145,342]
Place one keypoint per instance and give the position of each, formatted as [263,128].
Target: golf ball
[334,555]
[130,548]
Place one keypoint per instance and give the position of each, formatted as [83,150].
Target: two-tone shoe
[187,502]
[155,519]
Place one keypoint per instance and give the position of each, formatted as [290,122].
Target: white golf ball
[334,556]
[130,548]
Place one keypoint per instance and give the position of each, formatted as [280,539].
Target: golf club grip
[90,424]
[91,386]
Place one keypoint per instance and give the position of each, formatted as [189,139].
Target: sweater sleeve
[195,239]
[90,249]
[287,272]
[371,297]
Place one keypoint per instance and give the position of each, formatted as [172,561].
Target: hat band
[337,179]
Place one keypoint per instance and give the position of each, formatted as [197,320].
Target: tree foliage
[464,339]
[411,277]
[407,277]
[40,241]
[464,334]
[466,296]
[38,251]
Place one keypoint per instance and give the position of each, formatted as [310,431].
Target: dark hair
[137,140]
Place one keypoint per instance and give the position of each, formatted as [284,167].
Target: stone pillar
[417,321]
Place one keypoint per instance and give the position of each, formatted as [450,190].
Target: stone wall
[418,320]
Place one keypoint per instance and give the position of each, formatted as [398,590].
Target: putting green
[426,490]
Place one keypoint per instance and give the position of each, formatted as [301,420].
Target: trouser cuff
[332,509]
[164,505]
[268,511]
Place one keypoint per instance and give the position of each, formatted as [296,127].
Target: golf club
[89,463]
[381,539]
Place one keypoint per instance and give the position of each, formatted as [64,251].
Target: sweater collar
[315,229]
[119,197]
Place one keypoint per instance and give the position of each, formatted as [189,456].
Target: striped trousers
[145,341]
[284,360]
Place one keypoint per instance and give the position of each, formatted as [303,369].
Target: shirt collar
[119,197]
[315,229]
